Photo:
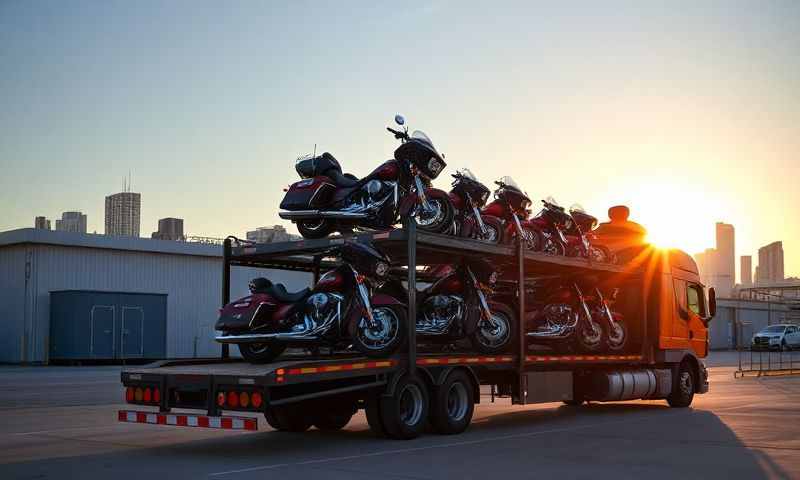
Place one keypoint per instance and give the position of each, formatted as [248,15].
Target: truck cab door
[696,326]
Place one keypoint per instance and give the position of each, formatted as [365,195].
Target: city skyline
[210,118]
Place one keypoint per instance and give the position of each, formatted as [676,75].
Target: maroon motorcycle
[327,200]
[581,241]
[468,196]
[340,310]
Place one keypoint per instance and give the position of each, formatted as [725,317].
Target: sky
[688,112]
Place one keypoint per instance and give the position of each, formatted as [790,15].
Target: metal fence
[763,363]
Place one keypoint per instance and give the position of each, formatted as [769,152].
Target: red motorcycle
[327,200]
[511,206]
[581,241]
[340,310]
[468,196]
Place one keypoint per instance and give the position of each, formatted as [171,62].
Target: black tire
[588,340]
[497,341]
[372,409]
[453,404]
[261,352]
[612,344]
[405,413]
[362,337]
[288,419]
[335,419]
[682,387]
[443,218]
[319,228]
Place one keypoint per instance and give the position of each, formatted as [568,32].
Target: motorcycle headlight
[434,166]
[381,269]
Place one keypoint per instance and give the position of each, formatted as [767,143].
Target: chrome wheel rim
[598,255]
[685,383]
[309,224]
[492,234]
[616,337]
[495,333]
[457,401]
[387,331]
[431,216]
[411,405]
[258,347]
[531,242]
[590,335]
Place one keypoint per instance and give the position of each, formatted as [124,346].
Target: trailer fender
[476,384]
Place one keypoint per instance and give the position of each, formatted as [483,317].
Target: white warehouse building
[70,296]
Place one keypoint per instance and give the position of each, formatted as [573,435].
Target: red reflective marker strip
[227,423]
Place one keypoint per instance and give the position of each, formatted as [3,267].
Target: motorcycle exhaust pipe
[311,214]
[261,337]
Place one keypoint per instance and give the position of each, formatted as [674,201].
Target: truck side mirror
[712,303]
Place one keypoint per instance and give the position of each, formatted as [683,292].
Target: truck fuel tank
[612,386]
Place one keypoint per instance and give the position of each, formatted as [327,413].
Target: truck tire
[453,404]
[372,409]
[261,352]
[404,414]
[287,419]
[683,387]
[335,419]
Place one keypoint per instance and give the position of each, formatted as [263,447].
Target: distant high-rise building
[746,270]
[71,222]
[770,263]
[122,214]
[42,223]
[276,233]
[726,258]
[169,229]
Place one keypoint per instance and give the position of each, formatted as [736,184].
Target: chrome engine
[372,196]
[322,309]
[559,319]
[438,313]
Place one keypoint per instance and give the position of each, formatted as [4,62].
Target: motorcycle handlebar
[398,135]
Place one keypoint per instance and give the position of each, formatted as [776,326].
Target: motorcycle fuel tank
[449,284]
[330,282]
[495,209]
[388,171]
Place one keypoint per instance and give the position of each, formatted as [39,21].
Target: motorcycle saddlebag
[309,193]
[309,167]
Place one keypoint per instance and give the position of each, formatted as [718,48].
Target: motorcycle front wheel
[438,217]
[589,336]
[261,352]
[617,336]
[493,338]
[317,228]
[388,335]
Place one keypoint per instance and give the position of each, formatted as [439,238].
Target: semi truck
[665,306]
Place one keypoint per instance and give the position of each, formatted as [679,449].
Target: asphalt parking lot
[60,422]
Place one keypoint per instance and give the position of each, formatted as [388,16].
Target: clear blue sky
[688,112]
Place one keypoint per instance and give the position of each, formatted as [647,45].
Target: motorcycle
[581,240]
[326,200]
[468,196]
[551,222]
[615,334]
[511,206]
[456,306]
[563,316]
[340,309]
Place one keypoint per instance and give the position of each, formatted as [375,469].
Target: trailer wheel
[453,404]
[335,419]
[372,409]
[405,413]
[286,419]
[683,387]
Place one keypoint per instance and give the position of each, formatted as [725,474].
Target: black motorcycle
[340,310]
[468,196]
[327,200]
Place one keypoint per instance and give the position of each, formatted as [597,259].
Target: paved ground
[60,422]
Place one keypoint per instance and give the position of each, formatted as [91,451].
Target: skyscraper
[169,229]
[726,258]
[123,212]
[770,263]
[41,223]
[71,222]
[746,270]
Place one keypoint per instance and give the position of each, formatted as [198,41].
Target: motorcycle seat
[344,180]
[279,293]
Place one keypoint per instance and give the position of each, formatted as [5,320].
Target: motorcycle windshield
[420,136]
[552,201]
[509,182]
[577,207]
[466,173]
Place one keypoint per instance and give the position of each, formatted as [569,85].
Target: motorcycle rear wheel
[319,228]
[261,352]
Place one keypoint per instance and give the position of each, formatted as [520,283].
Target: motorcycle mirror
[399,119]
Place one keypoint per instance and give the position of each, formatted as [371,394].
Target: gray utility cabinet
[107,325]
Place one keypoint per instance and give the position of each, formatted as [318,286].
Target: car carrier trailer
[404,393]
